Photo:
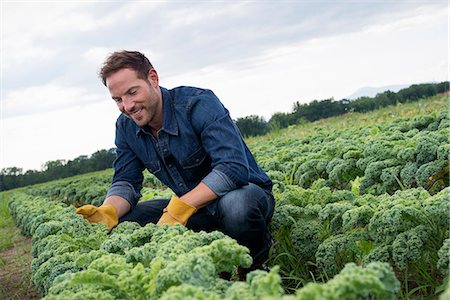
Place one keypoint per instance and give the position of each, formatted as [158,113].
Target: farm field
[362,212]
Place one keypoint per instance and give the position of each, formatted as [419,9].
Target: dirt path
[15,270]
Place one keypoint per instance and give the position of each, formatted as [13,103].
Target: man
[186,138]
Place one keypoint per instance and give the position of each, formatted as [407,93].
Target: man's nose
[128,104]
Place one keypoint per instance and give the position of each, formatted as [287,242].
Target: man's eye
[118,100]
[132,92]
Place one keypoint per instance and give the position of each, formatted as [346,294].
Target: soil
[15,271]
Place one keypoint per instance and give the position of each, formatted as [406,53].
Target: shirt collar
[170,124]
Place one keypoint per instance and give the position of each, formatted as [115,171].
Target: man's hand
[176,212]
[106,214]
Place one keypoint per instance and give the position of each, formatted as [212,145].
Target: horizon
[371,90]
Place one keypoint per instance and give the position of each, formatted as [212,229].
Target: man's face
[138,99]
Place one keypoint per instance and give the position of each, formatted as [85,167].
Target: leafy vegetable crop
[361,213]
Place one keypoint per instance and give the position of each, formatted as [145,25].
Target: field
[362,212]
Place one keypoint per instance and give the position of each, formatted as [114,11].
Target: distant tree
[14,177]
[362,104]
[282,120]
[385,99]
[317,110]
[443,87]
[252,125]
[102,159]
[53,164]
[416,92]
[13,171]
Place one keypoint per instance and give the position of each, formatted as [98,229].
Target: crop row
[76,260]
[355,205]
[386,157]
[91,188]
[318,231]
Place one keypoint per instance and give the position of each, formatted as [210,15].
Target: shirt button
[197,160]
[180,184]
[170,166]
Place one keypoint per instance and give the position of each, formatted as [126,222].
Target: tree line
[253,125]
[319,109]
[14,177]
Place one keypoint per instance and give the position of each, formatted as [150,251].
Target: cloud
[96,54]
[45,98]
[328,67]
[49,38]
[258,57]
[30,141]
[421,16]
[57,36]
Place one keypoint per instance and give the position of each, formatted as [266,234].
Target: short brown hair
[125,59]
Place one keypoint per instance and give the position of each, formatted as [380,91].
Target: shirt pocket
[196,165]
[195,159]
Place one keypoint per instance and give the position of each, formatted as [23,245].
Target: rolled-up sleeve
[223,142]
[125,190]
[218,182]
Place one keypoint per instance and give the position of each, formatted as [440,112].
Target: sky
[259,57]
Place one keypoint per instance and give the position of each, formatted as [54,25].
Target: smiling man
[186,138]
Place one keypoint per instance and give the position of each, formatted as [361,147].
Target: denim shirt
[198,142]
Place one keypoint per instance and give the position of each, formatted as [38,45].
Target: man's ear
[153,77]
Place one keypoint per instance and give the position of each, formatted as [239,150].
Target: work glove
[176,212]
[106,214]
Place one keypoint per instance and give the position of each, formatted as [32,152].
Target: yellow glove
[106,214]
[176,212]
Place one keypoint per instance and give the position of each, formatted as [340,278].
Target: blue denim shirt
[198,142]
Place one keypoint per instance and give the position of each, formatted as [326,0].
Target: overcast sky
[259,57]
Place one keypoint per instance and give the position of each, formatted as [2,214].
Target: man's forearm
[200,196]
[122,205]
